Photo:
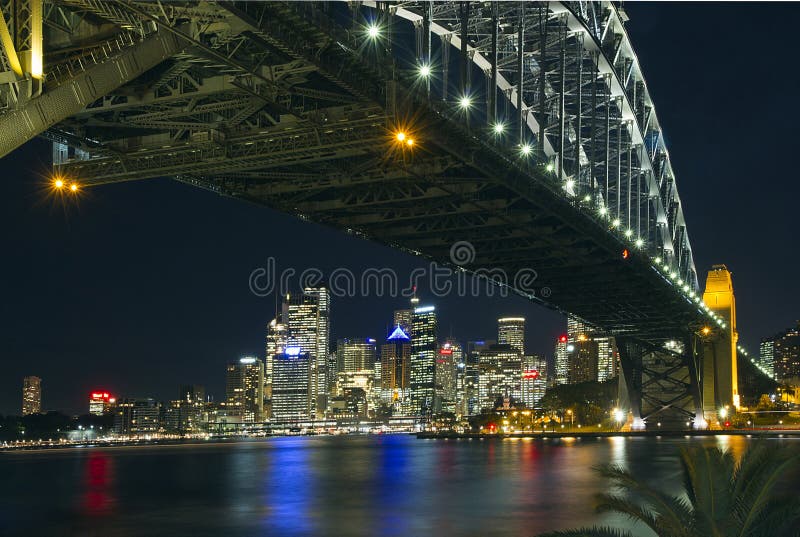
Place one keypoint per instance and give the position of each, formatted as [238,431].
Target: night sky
[143,286]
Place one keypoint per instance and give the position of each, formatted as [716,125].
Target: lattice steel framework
[558,162]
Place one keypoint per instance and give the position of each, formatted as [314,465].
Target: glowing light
[619,415]
[373,31]
[603,211]
[247,360]
[629,233]
[58,183]
[723,413]
[400,136]
[587,198]
[657,260]
[570,184]
[562,338]
[526,149]
[706,330]
[292,351]
[550,167]
[73,187]
[570,347]
[410,142]
[639,243]
[616,222]
[465,102]
[424,71]
[625,254]
[499,128]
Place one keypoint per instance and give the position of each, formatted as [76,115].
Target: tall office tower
[606,358]
[500,380]
[101,402]
[461,388]
[563,350]
[355,354]
[31,395]
[472,401]
[534,380]
[403,319]
[244,388]
[396,371]
[785,347]
[423,360]
[292,398]
[766,356]
[276,342]
[445,374]
[308,322]
[330,373]
[511,331]
[582,361]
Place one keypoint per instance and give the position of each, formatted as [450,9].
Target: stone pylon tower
[720,376]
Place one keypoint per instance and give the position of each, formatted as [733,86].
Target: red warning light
[562,338]
[625,254]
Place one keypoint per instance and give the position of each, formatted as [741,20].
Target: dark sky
[144,286]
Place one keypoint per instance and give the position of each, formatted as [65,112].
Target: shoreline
[768,433]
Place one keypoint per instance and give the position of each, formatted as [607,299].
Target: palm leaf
[588,532]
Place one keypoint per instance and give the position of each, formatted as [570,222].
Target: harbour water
[388,485]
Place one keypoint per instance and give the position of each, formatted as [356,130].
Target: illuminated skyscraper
[307,319]
[563,350]
[471,402]
[500,380]
[137,416]
[785,350]
[449,355]
[534,380]
[101,402]
[423,360]
[292,386]
[766,356]
[276,341]
[403,319]
[396,371]
[244,388]
[31,395]
[355,354]
[511,331]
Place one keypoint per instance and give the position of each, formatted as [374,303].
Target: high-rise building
[785,349]
[276,342]
[403,319]
[471,398]
[355,354]
[292,395]
[511,331]
[500,378]
[137,416]
[563,350]
[101,402]
[194,393]
[766,356]
[583,355]
[31,395]
[244,388]
[534,380]
[449,355]
[423,360]
[396,370]
[307,319]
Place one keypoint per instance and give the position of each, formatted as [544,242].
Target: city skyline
[193,268]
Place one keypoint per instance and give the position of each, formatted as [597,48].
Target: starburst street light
[465,102]
[616,222]
[58,183]
[73,187]
[373,31]
[424,70]
[499,128]
[401,136]
[525,149]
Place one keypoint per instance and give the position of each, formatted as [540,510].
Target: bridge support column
[662,382]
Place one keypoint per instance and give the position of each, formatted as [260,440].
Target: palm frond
[664,527]
[588,532]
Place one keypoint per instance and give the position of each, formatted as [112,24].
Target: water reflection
[98,485]
[387,486]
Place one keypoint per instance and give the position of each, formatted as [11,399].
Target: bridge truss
[535,139]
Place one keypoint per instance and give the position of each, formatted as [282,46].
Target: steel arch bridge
[527,130]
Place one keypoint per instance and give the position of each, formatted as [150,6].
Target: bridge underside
[288,106]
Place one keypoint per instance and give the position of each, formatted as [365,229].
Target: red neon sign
[531,374]
[101,395]
[445,351]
